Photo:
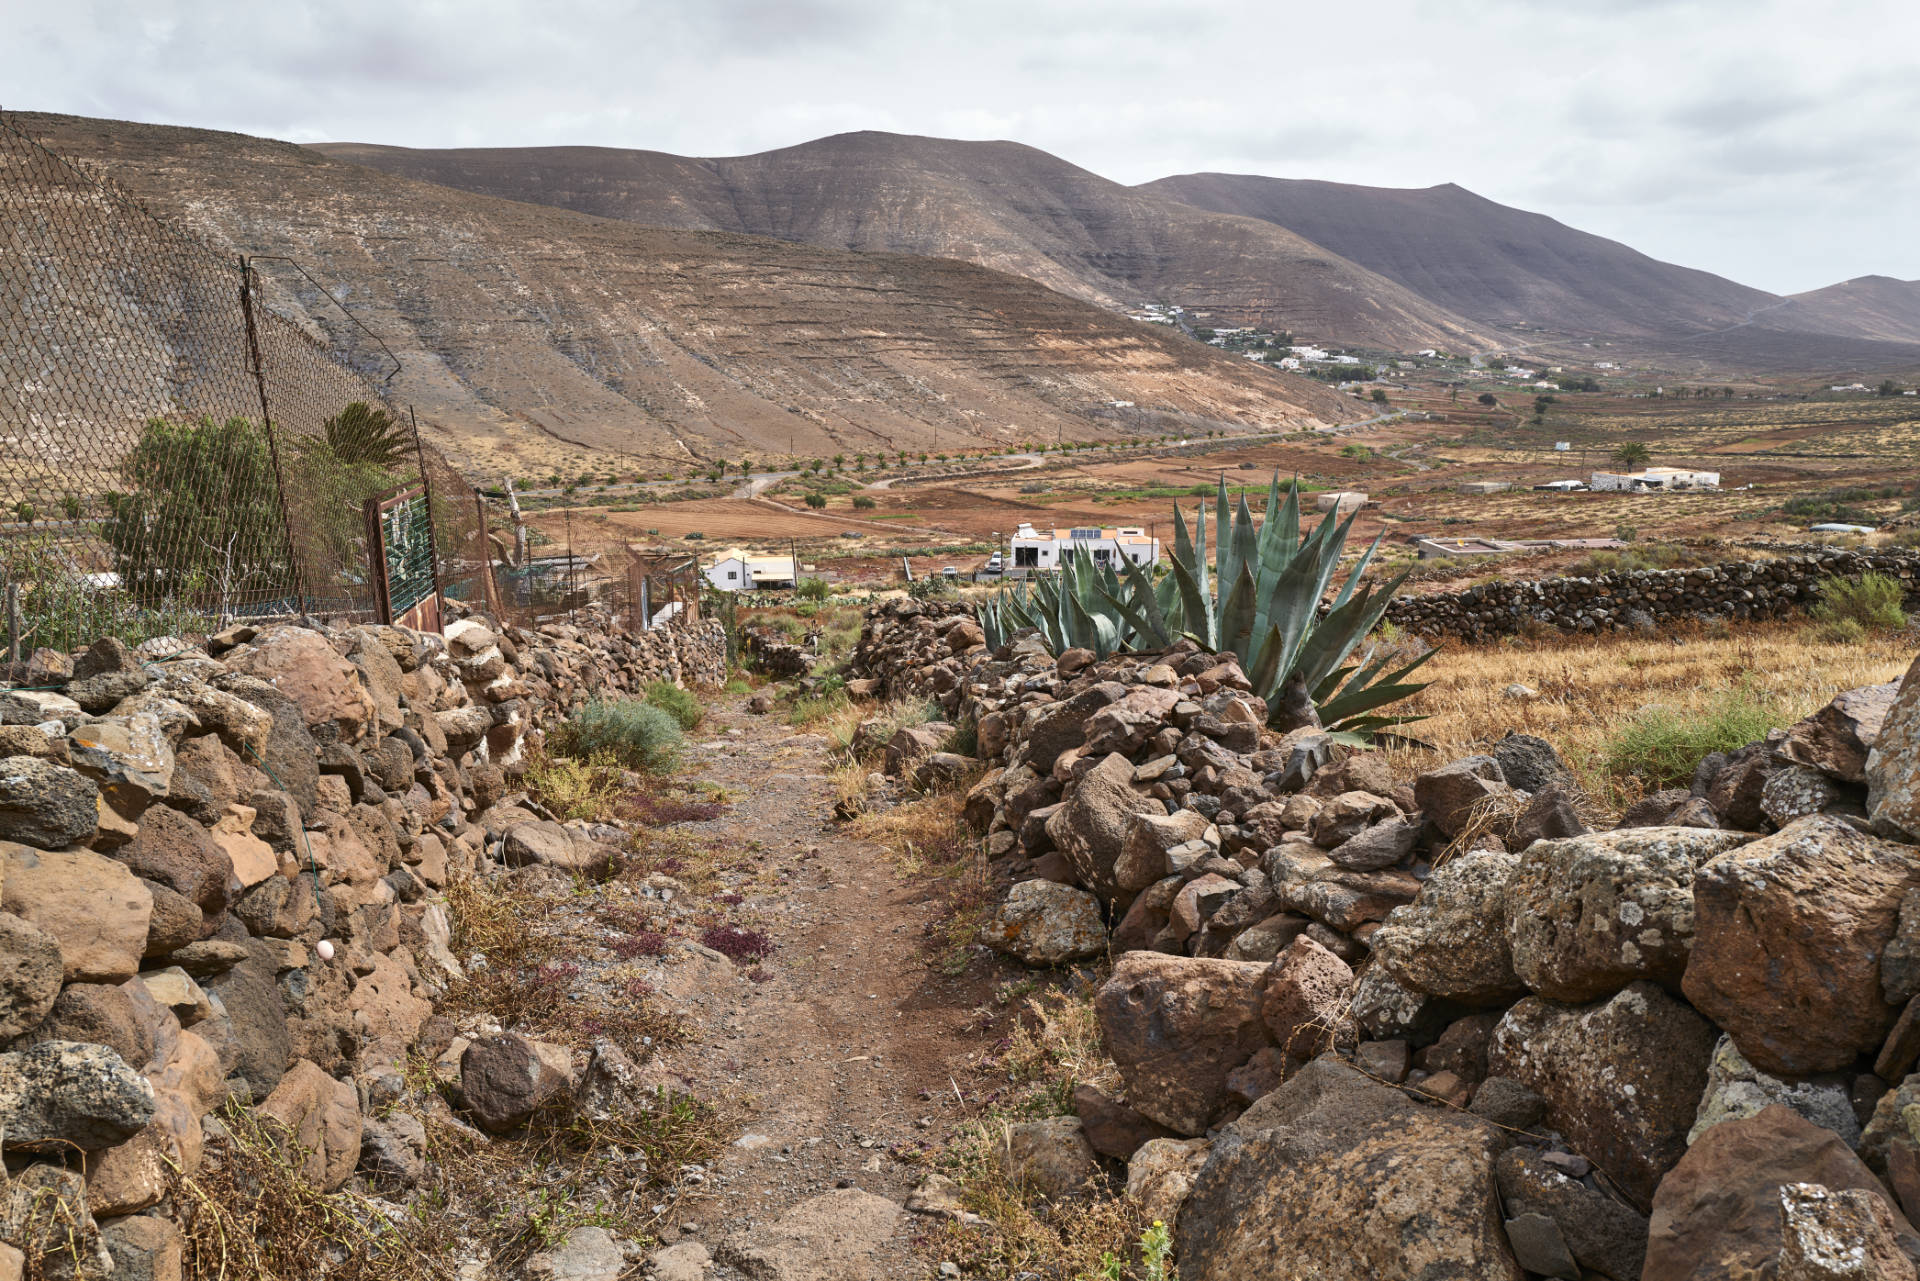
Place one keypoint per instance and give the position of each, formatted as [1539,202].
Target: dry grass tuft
[249,1214]
[929,838]
[1589,689]
[1054,1045]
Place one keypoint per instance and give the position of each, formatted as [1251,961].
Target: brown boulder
[1788,933]
[30,972]
[1448,796]
[1837,739]
[322,1117]
[302,665]
[1091,827]
[177,852]
[1052,1155]
[1622,1077]
[1176,1026]
[506,1078]
[1893,766]
[1305,1003]
[1717,1214]
[1113,1128]
[95,908]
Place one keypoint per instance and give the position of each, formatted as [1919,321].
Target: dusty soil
[847,1058]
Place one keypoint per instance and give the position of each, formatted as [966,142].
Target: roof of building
[1124,534]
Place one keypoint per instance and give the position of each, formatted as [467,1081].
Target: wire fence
[182,444]
[175,452]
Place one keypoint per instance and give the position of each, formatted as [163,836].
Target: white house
[1042,548]
[729,572]
[735,570]
[1656,478]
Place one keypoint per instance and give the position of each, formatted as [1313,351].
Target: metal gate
[406,585]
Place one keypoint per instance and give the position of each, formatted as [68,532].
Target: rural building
[1656,478]
[1486,486]
[736,570]
[1042,548]
[1340,501]
[1435,548]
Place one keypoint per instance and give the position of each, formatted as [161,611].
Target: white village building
[735,570]
[1042,548]
[1656,478]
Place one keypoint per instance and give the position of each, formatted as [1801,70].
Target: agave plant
[1259,599]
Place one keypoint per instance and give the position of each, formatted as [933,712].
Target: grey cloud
[1764,139]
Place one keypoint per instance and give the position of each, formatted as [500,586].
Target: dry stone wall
[1352,1010]
[220,877]
[1643,599]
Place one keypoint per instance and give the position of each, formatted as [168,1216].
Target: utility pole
[519,526]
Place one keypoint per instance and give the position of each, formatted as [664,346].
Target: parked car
[994,565]
[949,571]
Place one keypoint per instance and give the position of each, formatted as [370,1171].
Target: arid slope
[999,204]
[526,331]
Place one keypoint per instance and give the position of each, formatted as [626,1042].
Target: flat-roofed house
[1656,478]
[1042,548]
[737,570]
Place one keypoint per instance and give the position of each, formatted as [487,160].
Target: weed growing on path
[1661,745]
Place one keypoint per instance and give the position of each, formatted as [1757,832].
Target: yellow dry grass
[1586,690]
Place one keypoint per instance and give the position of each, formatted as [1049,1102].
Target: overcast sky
[1774,142]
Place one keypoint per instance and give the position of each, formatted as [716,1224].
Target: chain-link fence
[174,452]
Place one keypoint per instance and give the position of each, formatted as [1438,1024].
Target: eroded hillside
[526,333]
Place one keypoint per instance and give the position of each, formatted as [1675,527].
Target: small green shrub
[677,703]
[637,735]
[811,589]
[1840,631]
[1661,745]
[1875,602]
[862,502]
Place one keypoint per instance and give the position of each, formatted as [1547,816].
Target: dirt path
[847,1055]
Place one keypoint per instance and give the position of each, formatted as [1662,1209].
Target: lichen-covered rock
[1160,1176]
[1893,766]
[64,1095]
[1052,1155]
[1452,940]
[46,805]
[1717,1215]
[1788,933]
[1400,1199]
[1795,791]
[1143,854]
[1849,1235]
[1736,1089]
[1622,1077]
[1176,1026]
[1590,914]
[1042,923]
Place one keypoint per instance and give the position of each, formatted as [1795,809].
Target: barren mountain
[532,332]
[1873,307]
[1000,204]
[1487,261]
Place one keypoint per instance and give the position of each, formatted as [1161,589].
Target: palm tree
[361,433]
[1632,454]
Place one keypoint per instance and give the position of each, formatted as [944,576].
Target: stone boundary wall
[1739,590]
[1334,985]
[221,876]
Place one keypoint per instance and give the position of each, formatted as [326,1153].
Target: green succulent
[1257,597]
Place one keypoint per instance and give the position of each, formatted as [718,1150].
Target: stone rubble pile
[219,879]
[1640,599]
[1374,1027]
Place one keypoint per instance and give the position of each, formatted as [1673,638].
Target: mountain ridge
[523,329]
